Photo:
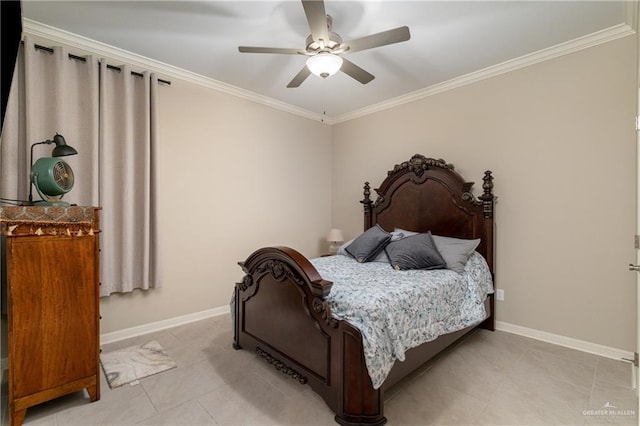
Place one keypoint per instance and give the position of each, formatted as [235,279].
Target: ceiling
[449,40]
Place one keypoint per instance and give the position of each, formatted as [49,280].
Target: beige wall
[559,138]
[234,176]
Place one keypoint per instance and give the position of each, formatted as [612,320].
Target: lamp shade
[335,236]
[324,64]
[62,149]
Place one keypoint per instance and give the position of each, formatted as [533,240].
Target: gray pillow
[415,252]
[455,251]
[381,257]
[369,244]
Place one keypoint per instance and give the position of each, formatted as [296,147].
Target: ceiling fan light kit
[324,64]
[324,46]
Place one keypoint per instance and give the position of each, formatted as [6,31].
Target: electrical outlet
[500,294]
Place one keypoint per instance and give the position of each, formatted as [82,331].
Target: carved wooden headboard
[424,194]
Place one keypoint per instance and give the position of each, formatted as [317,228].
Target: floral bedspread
[398,310]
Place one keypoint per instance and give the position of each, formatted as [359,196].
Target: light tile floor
[490,378]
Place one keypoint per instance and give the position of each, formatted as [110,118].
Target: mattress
[398,310]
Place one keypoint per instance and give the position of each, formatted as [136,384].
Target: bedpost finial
[487,185]
[367,195]
[487,197]
[367,203]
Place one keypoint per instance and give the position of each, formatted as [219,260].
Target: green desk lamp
[51,176]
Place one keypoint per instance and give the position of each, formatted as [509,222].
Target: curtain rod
[83,59]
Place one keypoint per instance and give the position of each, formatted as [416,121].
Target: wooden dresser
[52,285]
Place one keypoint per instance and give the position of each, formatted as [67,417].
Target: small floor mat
[134,363]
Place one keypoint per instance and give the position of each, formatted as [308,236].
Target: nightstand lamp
[335,237]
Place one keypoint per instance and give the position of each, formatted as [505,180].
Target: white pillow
[455,251]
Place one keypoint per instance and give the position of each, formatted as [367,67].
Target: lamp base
[333,248]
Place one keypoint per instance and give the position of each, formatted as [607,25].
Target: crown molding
[96,48]
[631,14]
[38,29]
[597,38]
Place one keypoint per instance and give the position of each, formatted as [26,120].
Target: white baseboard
[569,342]
[151,327]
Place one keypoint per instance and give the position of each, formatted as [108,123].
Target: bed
[282,308]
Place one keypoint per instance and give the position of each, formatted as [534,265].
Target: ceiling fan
[324,47]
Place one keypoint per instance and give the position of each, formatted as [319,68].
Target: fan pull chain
[324,100]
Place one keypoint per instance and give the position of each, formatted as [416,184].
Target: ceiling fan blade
[281,50]
[354,71]
[299,78]
[317,18]
[396,35]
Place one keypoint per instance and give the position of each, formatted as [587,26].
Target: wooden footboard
[282,315]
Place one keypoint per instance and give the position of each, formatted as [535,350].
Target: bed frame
[280,307]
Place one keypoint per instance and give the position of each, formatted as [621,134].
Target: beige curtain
[109,117]
[128,151]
